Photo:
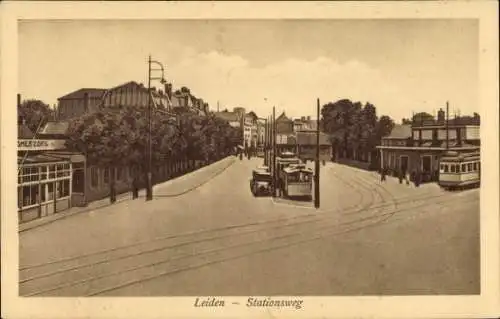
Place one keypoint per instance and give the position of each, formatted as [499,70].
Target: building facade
[418,147]
[79,102]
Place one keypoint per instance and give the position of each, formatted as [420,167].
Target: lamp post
[149,189]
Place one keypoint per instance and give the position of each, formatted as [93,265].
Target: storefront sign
[40,145]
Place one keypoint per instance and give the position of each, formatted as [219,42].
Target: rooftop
[79,94]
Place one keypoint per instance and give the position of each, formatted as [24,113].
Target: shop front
[44,186]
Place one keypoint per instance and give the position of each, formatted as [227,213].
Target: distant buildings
[249,123]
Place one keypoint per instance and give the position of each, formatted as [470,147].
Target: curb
[126,197]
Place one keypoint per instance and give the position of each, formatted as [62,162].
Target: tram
[460,170]
[296,181]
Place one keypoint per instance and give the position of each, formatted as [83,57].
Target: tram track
[268,241]
[315,218]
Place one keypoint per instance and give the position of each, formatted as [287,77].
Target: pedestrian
[382,175]
[407,178]
[400,176]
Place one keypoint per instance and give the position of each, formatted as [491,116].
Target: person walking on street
[400,176]
[407,178]
[135,187]
[382,175]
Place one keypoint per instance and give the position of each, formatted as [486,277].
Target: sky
[400,66]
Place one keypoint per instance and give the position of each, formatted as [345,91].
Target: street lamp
[149,189]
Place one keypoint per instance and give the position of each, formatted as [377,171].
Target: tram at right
[459,171]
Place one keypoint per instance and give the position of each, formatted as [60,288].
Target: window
[50,191]
[457,167]
[475,166]
[29,174]
[469,167]
[63,189]
[94,177]
[453,168]
[52,171]
[446,168]
[30,195]
[464,168]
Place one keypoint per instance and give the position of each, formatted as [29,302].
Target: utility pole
[149,189]
[265,142]
[316,175]
[274,152]
[447,124]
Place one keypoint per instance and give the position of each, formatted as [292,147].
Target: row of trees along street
[355,129]
[111,139]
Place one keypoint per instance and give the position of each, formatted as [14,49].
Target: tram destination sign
[40,145]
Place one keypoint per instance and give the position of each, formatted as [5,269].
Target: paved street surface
[367,238]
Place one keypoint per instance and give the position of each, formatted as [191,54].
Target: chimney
[86,102]
[303,118]
[441,116]
[308,118]
[18,100]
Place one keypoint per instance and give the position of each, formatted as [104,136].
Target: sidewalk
[98,204]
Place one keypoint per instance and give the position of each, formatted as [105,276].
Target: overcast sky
[398,65]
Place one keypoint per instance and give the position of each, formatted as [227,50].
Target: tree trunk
[112,184]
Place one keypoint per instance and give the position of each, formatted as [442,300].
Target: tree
[35,112]
[384,127]
[406,121]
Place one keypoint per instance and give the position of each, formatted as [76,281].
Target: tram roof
[295,169]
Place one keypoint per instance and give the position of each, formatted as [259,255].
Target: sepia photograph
[250,162]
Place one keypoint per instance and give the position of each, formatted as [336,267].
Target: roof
[55,128]
[79,94]
[23,132]
[309,138]
[400,131]
[283,118]
[39,158]
[228,116]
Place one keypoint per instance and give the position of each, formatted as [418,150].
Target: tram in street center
[460,170]
[296,181]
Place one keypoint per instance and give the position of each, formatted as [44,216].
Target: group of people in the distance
[403,176]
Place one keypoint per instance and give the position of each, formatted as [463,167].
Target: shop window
[50,191]
[30,195]
[94,177]
[63,188]
[43,172]
[52,171]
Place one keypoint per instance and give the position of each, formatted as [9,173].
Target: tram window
[469,167]
[457,168]
[475,166]
[464,168]
[445,168]
[453,168]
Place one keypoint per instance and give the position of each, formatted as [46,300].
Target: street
[206,234]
